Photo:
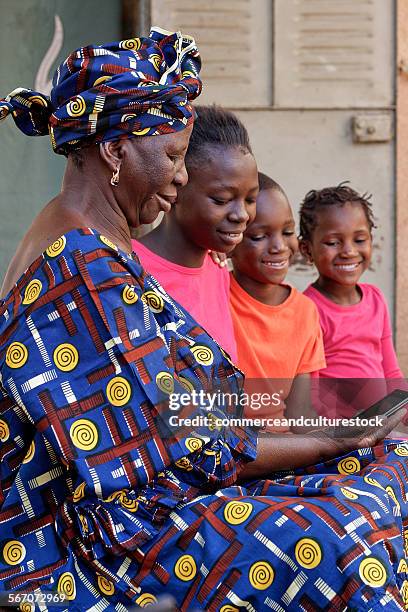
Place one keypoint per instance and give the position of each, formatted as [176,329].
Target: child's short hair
[215,126]
[318,199]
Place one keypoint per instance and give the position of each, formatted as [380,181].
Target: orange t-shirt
[275,343]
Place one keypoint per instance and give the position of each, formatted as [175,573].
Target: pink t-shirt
[357,338]
[203,292]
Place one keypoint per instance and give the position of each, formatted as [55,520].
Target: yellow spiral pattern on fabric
[118,391]
[66,585]
[391,493]
[203,354]
[184,464]
[145,600]
[84,434]
[14,552]
[142,132]
[130,44]
[194,444]
[348,465]
[372,481]
[237,512]
[4,431]
[16,355]
[129,296]
[402,567]
[213,423]
[76,107]
[4,111]
[84,523]
[156,60]
[116,495]
[108,242]
[26,607]
[308,553]
[229,608]
[30,453]
[79,492]
[66,357]
[127,117]
[32,291]
[154,301]
[56,247]
[165,382]
[129,504]
[101,80]
[373,572]
[261,575]
[402,451]
[38,100]
[404,593]
[105,585]
[185,568]
[186,383]
[348,494]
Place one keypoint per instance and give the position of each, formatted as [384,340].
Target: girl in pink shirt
[336,226]
[210,213]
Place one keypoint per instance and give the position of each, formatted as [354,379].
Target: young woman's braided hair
[215,126]
[318,199]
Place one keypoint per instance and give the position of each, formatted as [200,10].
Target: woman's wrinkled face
[151,173]
[218,202]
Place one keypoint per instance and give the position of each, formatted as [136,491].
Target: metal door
[313,80]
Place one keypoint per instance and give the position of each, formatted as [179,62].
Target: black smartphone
[386,406]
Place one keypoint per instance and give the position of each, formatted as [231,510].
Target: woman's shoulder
[66,261]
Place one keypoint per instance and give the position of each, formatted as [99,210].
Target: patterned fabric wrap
[98,504]
[135,87]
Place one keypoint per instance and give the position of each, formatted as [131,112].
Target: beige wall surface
[401,310]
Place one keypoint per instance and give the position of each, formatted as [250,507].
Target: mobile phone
[387,406]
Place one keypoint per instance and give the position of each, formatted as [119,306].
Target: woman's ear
[305,249]
[111,153]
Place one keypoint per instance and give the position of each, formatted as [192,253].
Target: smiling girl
[336,226]
[210,213]
[276,327]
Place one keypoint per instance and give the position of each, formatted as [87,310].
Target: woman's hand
[278,452]
[364,437]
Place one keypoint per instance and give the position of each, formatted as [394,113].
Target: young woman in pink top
[336,226]
[211,213]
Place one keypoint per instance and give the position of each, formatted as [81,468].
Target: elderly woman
[104,504]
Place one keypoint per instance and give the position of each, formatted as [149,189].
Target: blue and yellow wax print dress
[102,502]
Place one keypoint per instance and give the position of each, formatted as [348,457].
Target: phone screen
[386,406]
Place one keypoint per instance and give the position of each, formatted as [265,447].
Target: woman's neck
[266,293]
[88,201]
[344,295]
[168,241]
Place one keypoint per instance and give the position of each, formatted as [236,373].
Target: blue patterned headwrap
[136,87]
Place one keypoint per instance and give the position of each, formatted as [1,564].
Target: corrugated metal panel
[333,53]
[234,38]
